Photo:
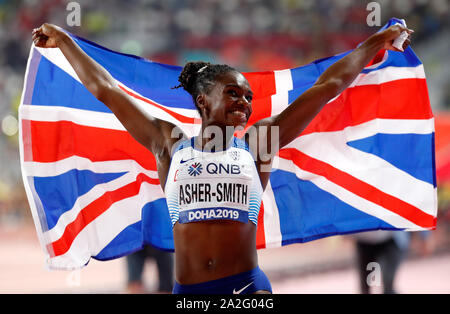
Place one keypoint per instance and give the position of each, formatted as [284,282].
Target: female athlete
[213,195]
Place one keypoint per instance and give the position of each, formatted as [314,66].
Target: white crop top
[213,185]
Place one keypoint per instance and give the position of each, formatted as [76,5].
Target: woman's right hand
[47,36]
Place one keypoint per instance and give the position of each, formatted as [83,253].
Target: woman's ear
[201,103]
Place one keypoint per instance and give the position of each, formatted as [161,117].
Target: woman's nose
[244,101]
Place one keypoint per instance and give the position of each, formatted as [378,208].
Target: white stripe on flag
[367,167]
[272,230]
[94,238]
[97,191]
[389,126]
[56,56]
[280,102]
[49,169]
[283,80]
[95,119]
[283,84]
[84,200]
[82,117]
[189,113]
[348,197]
[33,200]
[389,74]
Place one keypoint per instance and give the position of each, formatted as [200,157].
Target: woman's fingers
[37,30]
[39,40]
[35,36]
[405,29]
[44,36]
[398,34]
[406,44]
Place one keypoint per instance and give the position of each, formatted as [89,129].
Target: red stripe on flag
[53,141]
[360,188]
[179,117]
[261,83]
[378,58]
[260,232]
[95,209]
[359,104]
[263,87]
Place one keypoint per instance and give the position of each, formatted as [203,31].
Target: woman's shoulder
[182,144]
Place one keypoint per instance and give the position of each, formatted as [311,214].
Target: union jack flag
[365,162]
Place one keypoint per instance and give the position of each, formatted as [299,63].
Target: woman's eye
[249,98]
[232,92]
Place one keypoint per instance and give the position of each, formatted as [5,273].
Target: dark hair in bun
[199,77]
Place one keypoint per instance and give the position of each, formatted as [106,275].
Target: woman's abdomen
[211,250]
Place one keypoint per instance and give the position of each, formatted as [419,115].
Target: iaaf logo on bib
[234,154]
[195,169]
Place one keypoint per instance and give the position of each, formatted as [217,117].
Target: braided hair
[199,77]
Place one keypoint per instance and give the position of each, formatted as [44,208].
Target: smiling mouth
[239,113]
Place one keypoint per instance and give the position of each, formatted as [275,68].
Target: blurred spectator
[252,35]
[447,96]
[427,243]
[388,249]
[135,268]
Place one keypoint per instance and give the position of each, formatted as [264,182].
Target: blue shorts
[244,283]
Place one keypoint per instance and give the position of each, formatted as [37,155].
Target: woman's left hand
[390,34]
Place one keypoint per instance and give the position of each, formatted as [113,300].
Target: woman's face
[229,102]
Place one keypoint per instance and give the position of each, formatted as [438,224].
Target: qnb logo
[213,168]
[195,169]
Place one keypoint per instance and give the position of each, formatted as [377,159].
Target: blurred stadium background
[251,35]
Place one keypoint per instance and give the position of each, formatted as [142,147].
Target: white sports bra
[204,186]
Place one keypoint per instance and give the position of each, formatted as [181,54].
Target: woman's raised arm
[295,118]
[153,133]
